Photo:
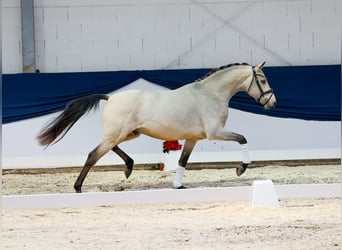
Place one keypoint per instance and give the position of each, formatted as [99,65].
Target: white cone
[264,194]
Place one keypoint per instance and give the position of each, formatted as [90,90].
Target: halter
[262,92]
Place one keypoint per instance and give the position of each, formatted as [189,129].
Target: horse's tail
[55,130]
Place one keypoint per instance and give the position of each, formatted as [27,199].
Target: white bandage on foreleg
[245,153]
[177,182]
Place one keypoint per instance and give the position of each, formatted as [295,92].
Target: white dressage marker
[264,194]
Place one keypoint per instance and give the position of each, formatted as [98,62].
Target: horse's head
[259,88]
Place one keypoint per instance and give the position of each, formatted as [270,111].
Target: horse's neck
[227,82]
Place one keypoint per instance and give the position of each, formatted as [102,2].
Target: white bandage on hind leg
[245,153]
[177,182]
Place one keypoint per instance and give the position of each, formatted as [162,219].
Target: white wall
[86,35]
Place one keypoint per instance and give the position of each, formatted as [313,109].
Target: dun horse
[193,112]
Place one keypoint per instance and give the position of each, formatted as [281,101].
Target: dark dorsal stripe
[220,68]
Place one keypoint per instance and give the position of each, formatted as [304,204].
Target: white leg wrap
[245,153]
[177,182]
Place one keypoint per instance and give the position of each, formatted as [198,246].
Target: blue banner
[302,92]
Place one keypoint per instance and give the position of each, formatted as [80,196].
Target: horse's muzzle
[271,102]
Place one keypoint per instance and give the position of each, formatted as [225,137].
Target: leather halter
[262,92]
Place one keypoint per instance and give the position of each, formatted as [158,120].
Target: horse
[195,111]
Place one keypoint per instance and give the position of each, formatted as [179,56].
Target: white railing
[163,196]
[196,157]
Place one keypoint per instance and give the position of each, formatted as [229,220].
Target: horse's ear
[262,65]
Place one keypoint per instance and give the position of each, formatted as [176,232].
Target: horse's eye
[263,81]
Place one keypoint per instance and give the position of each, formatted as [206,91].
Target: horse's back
[129,103]
[131,98]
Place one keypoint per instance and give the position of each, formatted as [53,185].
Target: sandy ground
[297,224]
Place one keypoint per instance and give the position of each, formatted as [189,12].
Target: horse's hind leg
[128,160]
[93,157]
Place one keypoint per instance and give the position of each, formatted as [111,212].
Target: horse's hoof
[242,169]
[181,187]
[78,190]
[128,172]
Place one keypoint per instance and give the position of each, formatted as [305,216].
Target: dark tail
[55,130]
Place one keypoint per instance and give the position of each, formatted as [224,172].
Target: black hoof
[78,190]
[242,169]
[128,172]
[181,187]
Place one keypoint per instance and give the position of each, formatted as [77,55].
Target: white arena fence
[163,196]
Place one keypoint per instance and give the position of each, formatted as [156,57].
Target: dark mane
[220,68]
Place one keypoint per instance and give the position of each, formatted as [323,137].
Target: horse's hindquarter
[119,113]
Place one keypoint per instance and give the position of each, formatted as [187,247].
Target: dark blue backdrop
[303,92]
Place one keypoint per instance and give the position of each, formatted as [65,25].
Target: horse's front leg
[187,149]
[231,136]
